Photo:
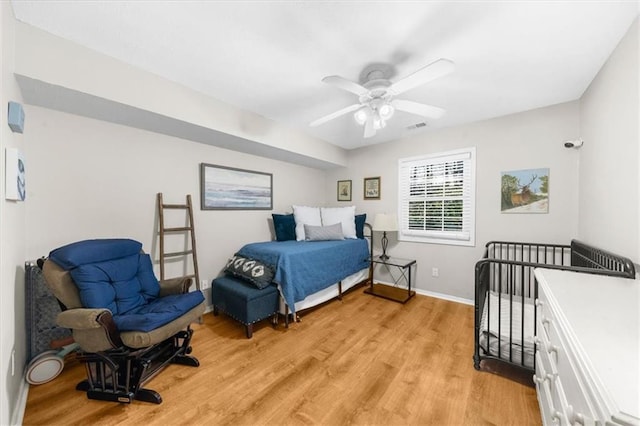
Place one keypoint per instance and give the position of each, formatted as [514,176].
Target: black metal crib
[505,291]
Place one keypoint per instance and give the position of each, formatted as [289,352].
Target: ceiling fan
[376,97]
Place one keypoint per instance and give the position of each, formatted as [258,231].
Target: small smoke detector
[417,126]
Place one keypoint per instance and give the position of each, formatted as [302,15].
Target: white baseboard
[437,295]
[21,404]
[445,297]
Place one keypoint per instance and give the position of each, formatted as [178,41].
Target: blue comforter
[306,267]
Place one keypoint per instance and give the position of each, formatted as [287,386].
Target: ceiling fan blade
[333,115]
[369,130]
[434,70]
[427,111]
[344,84]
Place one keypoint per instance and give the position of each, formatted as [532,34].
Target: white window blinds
[437,198]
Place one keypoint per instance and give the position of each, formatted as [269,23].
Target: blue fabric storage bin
[243,301]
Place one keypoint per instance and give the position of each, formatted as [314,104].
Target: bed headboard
[369,235]
[587,256]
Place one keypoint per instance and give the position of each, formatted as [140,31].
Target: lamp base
[385,241]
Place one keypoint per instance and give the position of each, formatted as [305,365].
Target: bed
[506,289]
[310,272]
[310,269]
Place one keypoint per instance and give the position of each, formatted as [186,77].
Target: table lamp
[385,223]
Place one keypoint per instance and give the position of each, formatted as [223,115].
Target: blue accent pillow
[360,220]
[285,227]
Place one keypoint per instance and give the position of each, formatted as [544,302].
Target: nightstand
[392,292]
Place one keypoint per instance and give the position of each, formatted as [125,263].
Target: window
[437,198]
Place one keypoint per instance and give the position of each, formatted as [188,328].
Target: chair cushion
[120,285]
[92,251]
[143,339]
[159,312]
[115,274]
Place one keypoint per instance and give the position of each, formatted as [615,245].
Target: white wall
[527,140]
[56,73]
[609,172]
[12,240]
[93,179]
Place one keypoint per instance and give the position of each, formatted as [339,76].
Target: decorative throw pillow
[304,215]
[285,227]
[251,270]
[323,233]
[343,215]
[360,220]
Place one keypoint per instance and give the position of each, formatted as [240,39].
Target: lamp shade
[385,222]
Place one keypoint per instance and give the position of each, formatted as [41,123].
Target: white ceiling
[269,57]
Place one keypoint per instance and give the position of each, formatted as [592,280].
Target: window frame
[464,237]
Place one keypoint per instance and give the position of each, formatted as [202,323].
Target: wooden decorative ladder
[189,228]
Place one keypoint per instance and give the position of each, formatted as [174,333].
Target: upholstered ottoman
[243,301]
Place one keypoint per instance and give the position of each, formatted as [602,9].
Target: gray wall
[13,230]
[93,179]
[609,172]
[528,140]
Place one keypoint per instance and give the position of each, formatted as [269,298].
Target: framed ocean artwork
[228,188]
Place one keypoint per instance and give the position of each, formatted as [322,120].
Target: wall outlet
[435,272]
[204,284]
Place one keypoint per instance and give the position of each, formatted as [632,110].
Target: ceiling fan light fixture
[379,122]
[362,115]
[376,96]
[386,111]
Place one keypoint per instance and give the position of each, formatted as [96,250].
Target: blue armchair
[127,324]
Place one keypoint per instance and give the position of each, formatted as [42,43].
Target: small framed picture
[344,190]
[372,188]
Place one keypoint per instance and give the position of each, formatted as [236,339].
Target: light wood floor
[363,360]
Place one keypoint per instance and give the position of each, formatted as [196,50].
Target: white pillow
[304,215]
[346,216]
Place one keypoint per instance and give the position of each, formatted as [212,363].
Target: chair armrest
[174,286]
[80,318]
[93,329]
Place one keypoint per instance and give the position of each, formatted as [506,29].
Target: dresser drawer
[568,371]
[551,398]
[544,347]
[546,404]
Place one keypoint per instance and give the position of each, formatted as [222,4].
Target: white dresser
[587,356]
